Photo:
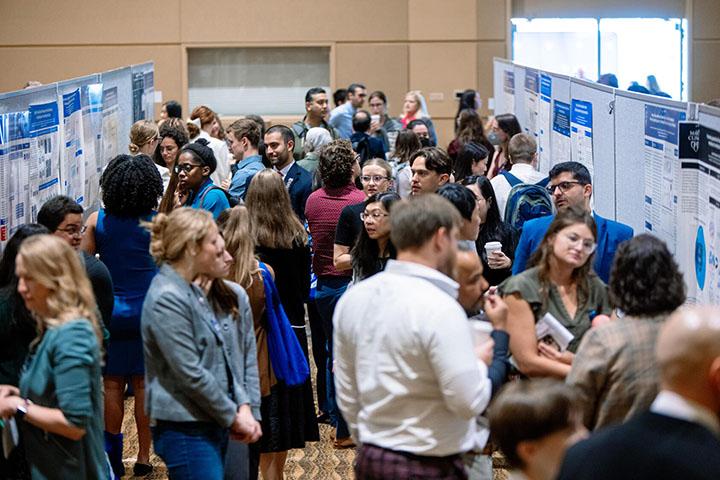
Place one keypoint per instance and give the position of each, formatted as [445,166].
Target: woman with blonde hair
[414,108]
[59,403]
[205,123]
[281,242]
[199,348]
[143,138]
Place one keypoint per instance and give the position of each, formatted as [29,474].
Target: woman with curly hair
[469,130]
[373,247]
[562,285]
[173,136]
[130,188]
[615,370]
[205,123]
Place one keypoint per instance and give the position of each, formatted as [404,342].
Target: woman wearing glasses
[194,167]
[131,187]
[376,177]
[373,247]
[561,284]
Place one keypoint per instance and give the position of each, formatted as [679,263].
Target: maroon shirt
[322,211]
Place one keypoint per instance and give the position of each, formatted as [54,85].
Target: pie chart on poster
[700,258]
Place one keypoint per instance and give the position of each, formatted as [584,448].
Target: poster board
[503,86]
[143,91]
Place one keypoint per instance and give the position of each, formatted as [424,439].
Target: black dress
[508,236]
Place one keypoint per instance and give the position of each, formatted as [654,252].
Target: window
[633,49]
[259,80]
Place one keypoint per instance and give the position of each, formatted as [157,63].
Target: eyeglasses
[73,230]
[563,186]
[376,215]
[588,246]
[185,167]
[374,178]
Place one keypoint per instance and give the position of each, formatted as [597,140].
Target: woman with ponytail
[199,348]
[143,138]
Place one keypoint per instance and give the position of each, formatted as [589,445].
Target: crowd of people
[456,302]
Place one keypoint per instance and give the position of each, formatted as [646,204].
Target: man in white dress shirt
[408,379]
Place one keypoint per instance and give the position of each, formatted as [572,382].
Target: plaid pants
[376,463]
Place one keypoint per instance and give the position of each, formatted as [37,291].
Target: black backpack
[362,148]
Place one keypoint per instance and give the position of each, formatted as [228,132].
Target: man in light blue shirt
[341,117]
[243,138]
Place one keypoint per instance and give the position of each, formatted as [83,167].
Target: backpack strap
[299,131]
[512,179]
[544,182]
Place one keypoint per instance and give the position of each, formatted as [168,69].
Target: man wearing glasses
[570,184]
[63,217]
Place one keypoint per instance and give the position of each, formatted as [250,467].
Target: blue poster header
[581,113]
[44,118]
[509,81]
[71,103]
[531,80]
[662,123]
[545,87]
[561,118]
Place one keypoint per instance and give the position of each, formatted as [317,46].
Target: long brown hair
[235,228]
[567,217]
[470,128]
[273,223]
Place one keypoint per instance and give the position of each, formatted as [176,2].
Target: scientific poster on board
[44,167]
[661,171]
[509,91]
[690,234]
[149,95]
[581,133]
[18,160]
[531,101]
[543,123]
[4,173]
[72,160]
[110,125]
[138,88]
[91,104]
[560,134]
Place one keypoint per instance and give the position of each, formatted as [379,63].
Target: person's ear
[444,178]
[714,378]
[206,171]
[587,190]
[291,145]
[526,450]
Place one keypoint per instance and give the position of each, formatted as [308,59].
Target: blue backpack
[526,201]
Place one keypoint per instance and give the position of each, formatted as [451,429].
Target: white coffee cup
[375,118]
[481,331]
[491,247]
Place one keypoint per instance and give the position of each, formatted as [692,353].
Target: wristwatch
[21,409]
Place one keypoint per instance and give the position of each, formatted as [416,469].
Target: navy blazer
[299,184]
[609,235]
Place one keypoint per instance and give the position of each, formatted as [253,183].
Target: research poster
[4,172]
[110,124]
[543,123]
[149,95]
[72,161]
[18,160]
[581,133]
[138,89]
[531,102]
[91,104]
[44,167]
[509,91]
[661,171]
[560,135]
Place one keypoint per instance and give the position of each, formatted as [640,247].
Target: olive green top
[527,285]
[63,371]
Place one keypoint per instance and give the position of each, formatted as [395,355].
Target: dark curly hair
[645,280]
[131,186]
[336,164]
[175,129]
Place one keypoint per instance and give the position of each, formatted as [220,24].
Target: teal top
[63,371]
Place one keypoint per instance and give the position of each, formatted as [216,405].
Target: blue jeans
[329,290]
[191,450]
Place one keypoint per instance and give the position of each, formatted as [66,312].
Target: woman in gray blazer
[199,345]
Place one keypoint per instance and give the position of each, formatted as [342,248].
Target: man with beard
[407,377]
[316,108]
[279,144]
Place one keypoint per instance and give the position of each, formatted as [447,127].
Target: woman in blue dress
[131,187]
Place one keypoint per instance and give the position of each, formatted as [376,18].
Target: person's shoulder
[614,227]
[239,291]
[524,283]
[538,224]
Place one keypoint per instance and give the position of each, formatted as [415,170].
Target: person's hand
[498,260]
[180,198]
[9,405]
[245,428]
[553,353]
[496,310]
[6,390]
[600,320]
[225,184]
[204,282]
[484,351]
[374,127]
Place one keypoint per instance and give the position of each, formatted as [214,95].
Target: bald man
[679,437]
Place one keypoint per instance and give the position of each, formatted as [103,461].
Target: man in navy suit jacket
[279,145]
[679,437]
[570,184]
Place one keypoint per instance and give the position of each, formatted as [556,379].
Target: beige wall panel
[491,18]
[445,131]
[442,20]
[705,71]
[486,52]
[53,64]
[280,21]
[43,22]
[377,66]
[706,19]
[441,69]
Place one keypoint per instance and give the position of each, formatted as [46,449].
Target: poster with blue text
[72,160]
[44,167]
[544,123]
[91,103]
[18,160]
[4,172]
[560,135]
[581,133]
